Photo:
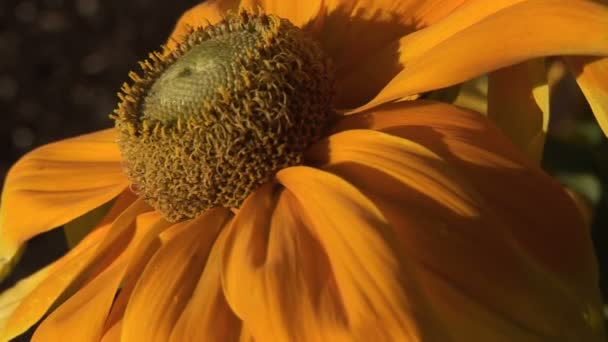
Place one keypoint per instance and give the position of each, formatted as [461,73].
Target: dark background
[62,62]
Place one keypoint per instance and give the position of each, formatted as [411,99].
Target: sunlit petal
[158,300]
[480,37]
[353,31]
[95,298]
[515,295]
[371,276]
[57,277]
[100,248]
[11,299]
[470,143]
[592,76]
[57,183]
[113,334]
[207,316]
[270,249]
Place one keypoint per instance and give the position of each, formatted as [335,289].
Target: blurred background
[62,62]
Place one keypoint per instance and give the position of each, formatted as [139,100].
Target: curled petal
[480,37]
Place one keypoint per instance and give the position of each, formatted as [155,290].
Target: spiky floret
[208,122]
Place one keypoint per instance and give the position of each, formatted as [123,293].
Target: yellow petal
[94,299]
[269,249]
[101,247]
[536,275]
[7,267]
[244,252]
[11,298]
[592,76]
[57,183]
[371,277]
[58,277]
[207,316]
[419,168]
[518,102]
[158,299]
[114,244]
[480,37]
[83,315]
[148,222]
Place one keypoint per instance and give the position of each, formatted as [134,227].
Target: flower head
[278,176]
[222,112]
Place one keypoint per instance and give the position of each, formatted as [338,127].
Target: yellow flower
[408,220]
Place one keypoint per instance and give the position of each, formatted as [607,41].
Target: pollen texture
[206,123]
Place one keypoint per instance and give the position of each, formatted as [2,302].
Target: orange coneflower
[253,204]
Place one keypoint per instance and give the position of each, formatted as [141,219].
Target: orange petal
[59,274]
[351,31]
[269,249]
[244,252]
[158,300]
[518,102]
[151,242]
[95,298]
[480,37]
[418,167]
[57,183]
[72,270]
[82,316]
[469,142]
[536,274]
[210,11]
[592,76]
[113,334]
[371,277]
[118,238]
[207,316]
[345,28]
